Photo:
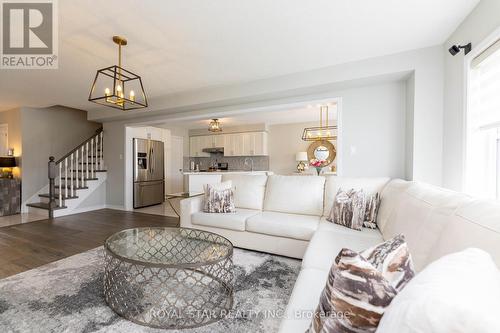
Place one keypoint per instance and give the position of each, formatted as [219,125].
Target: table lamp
[301,157]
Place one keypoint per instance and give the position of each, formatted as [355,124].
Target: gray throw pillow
[361,286]
[218,200]
[371,211]
[348,209]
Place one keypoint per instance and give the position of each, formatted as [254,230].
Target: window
[483,125]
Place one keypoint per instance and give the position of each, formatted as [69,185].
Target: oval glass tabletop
[163,246]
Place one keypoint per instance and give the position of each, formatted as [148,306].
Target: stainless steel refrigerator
[149,173]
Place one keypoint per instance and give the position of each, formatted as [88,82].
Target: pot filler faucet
[249,161]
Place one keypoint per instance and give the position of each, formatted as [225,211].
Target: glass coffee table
[169,277]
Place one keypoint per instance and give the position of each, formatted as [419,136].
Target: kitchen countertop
[222,172]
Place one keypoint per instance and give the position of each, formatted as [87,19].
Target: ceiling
[269,116]
[179,46]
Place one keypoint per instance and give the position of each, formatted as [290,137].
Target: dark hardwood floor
[29,245]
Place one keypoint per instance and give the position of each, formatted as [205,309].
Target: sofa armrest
[190,206]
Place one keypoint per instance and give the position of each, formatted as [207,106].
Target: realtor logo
[29,34]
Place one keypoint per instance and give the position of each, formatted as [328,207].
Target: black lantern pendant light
[117,87]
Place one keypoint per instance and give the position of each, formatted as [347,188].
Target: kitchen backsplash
[260,163]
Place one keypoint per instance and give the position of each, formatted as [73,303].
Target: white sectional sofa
[286,215]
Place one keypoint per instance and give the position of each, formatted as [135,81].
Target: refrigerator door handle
[150,158]
[153,160]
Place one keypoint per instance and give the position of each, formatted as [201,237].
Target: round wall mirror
[323,151]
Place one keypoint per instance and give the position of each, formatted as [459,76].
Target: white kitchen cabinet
[237,144]
[234,145]
[255,144]
[196,145]
[218,141]
[195,182]
[259,144]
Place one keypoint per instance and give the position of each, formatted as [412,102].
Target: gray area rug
[67,296]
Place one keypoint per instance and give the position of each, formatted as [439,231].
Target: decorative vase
[318,170]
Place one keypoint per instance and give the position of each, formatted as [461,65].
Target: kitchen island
[194,180]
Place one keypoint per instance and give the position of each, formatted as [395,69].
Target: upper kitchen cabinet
[237,144]
[246,144]
[196,145]
[218,141]
[256,144]
[233,145]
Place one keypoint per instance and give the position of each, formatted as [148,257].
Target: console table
[10,196]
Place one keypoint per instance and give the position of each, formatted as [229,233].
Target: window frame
[476,51]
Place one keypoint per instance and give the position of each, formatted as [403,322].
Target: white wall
[477,26]
[409,125]
[373,125]
[284,141]
[373,131]
[52,131]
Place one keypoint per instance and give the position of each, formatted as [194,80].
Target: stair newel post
[66,177]
[102,151]
[52,177]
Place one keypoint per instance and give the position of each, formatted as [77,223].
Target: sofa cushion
[295,194]
[283,225]
[459,293]
[233,221]
[389,199]
[333,183]
[474,224]
[303,301]
[330,238]
[248,190]
[421,213]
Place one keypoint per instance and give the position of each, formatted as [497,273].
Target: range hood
[216,150]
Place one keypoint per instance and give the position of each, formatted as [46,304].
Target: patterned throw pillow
[371,211]
[348,209]
[392,258]
[219,198]
[361,286]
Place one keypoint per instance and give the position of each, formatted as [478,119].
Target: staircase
[73,179]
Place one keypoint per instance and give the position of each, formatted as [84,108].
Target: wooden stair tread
[44,205]
[79,178]
[68,186]
[69,197]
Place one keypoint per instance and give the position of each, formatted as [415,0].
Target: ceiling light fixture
[117,87]
[324,131]
[214,126]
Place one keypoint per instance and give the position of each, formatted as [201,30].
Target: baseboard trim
[117,207]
